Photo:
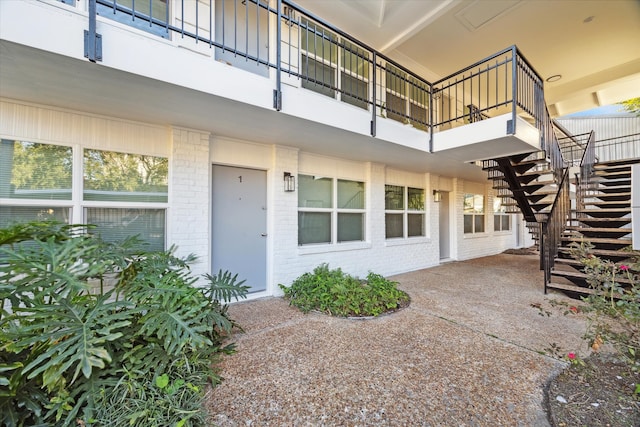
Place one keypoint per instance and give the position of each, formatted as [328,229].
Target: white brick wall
[191,154]
[479,244]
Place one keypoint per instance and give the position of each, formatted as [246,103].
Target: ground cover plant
[101,334]
[604,388]
[339,294]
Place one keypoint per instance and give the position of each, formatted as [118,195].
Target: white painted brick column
[283,217]
[188,224]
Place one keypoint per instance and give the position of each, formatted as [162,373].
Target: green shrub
[339,294]
[613,310]
[101,334]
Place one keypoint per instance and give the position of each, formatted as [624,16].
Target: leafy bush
[614,308]
[339,294]
[101,334]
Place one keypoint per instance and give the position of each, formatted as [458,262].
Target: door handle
[264,234]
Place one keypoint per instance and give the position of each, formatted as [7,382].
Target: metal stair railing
[553,229]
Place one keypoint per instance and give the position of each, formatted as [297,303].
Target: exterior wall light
[437,196]
[289,182]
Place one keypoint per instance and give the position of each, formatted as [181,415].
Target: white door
[239,225]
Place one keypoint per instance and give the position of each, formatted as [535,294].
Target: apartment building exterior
[256,136]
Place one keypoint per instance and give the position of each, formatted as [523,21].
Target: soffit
[592,44]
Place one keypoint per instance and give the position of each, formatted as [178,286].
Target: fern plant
[87,328]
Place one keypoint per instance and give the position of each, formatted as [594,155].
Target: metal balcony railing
[280,40]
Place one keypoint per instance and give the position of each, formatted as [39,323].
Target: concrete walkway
[469,351]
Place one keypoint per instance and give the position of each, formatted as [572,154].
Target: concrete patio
[468,351]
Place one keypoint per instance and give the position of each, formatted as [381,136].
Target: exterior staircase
[602,217]
[593,205]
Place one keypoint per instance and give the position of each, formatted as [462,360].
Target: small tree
[632,105]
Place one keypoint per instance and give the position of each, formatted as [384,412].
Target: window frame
[474,213]
[406,212]
[340,52]
[500,211]
[406,89]
[76,205]
[334,211]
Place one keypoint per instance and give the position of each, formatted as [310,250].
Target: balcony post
[431,126]
[277,92]
[511,128]
[92,40]
[373,96]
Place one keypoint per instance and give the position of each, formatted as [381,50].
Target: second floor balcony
[269,63]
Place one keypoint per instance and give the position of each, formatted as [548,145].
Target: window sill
[327,248]
[476,235]
[502,232]
[408,241]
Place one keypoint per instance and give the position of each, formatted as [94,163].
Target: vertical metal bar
[373,95]
[150,13]
[224,18]
[182,20]
[166,19]
[514,76]
[246,31]
[257,32]
[278,92]
[431,124]
[197,20]
[210,23]
[235,27]
[133,10]
[497,84]
[91,35]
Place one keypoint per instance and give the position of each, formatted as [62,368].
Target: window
[501,219]
[116,224]
[123,194]
[330,210]
[35,171]
[147,15]
[323,54]
[319,59]
[473,209]
[398,213]
[407,98]
[111,176]
[355,75]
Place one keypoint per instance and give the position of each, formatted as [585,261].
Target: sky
[604,110]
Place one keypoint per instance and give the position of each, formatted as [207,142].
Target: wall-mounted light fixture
[437,195]
[289,182]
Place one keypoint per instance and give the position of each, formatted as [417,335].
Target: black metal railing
[502,83]
[322,58]
[573,147]
[554,227]
[586,172]
[618,148]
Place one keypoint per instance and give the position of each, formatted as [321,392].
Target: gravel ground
[468,351]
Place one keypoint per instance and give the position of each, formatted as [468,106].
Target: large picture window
[501,219]
[122,194]
[473,208]
[330,210]
[404,211]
